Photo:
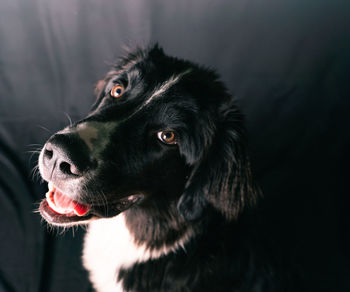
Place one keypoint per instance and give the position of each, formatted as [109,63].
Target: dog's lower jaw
[109,246]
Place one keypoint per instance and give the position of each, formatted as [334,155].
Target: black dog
[163,147]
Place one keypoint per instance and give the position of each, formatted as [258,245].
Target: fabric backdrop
[287,62]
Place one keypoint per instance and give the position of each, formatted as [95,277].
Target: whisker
[69,119]
[44,128]
[100,196]
[104,202]
[33,151]
[36,148]
[30,145]
[35,174]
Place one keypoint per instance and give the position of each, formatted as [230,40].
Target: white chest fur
[109,246]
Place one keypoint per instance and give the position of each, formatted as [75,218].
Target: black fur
[202,184]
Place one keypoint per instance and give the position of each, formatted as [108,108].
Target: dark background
[287,62]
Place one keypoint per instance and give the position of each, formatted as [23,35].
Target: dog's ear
[99,92]
[221,176]
[99,88]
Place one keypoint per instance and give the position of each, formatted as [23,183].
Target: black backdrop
[288,63]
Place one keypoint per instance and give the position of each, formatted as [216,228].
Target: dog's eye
[117,91]
[167,137]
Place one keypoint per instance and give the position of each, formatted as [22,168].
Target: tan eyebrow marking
[165,86]
[160,90]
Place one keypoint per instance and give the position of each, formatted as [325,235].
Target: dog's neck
[158,226]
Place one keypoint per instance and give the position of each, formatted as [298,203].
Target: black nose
[65,156]
[57,162]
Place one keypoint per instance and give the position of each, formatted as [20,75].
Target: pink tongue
[62,204]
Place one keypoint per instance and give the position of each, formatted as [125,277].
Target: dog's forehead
[151,66]
[162,88]
[176,88]
[146,80]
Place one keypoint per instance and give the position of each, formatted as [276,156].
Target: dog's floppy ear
[99,88]
[99,92]
[221,177]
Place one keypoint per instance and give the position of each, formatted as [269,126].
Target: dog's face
[162,130]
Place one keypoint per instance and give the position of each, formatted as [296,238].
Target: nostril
[48,153]
[65,167]
[68,168]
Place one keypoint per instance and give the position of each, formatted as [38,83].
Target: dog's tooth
[49,194]
[51,186]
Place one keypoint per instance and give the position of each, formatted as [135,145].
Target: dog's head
[162,130]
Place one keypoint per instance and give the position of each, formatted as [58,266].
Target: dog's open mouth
[59,209]
[62,204]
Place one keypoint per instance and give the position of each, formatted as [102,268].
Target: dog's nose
[65,156]
[58,163]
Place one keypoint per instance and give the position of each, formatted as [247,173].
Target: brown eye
[117,91]
[167,137]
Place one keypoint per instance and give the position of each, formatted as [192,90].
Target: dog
[159,171]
